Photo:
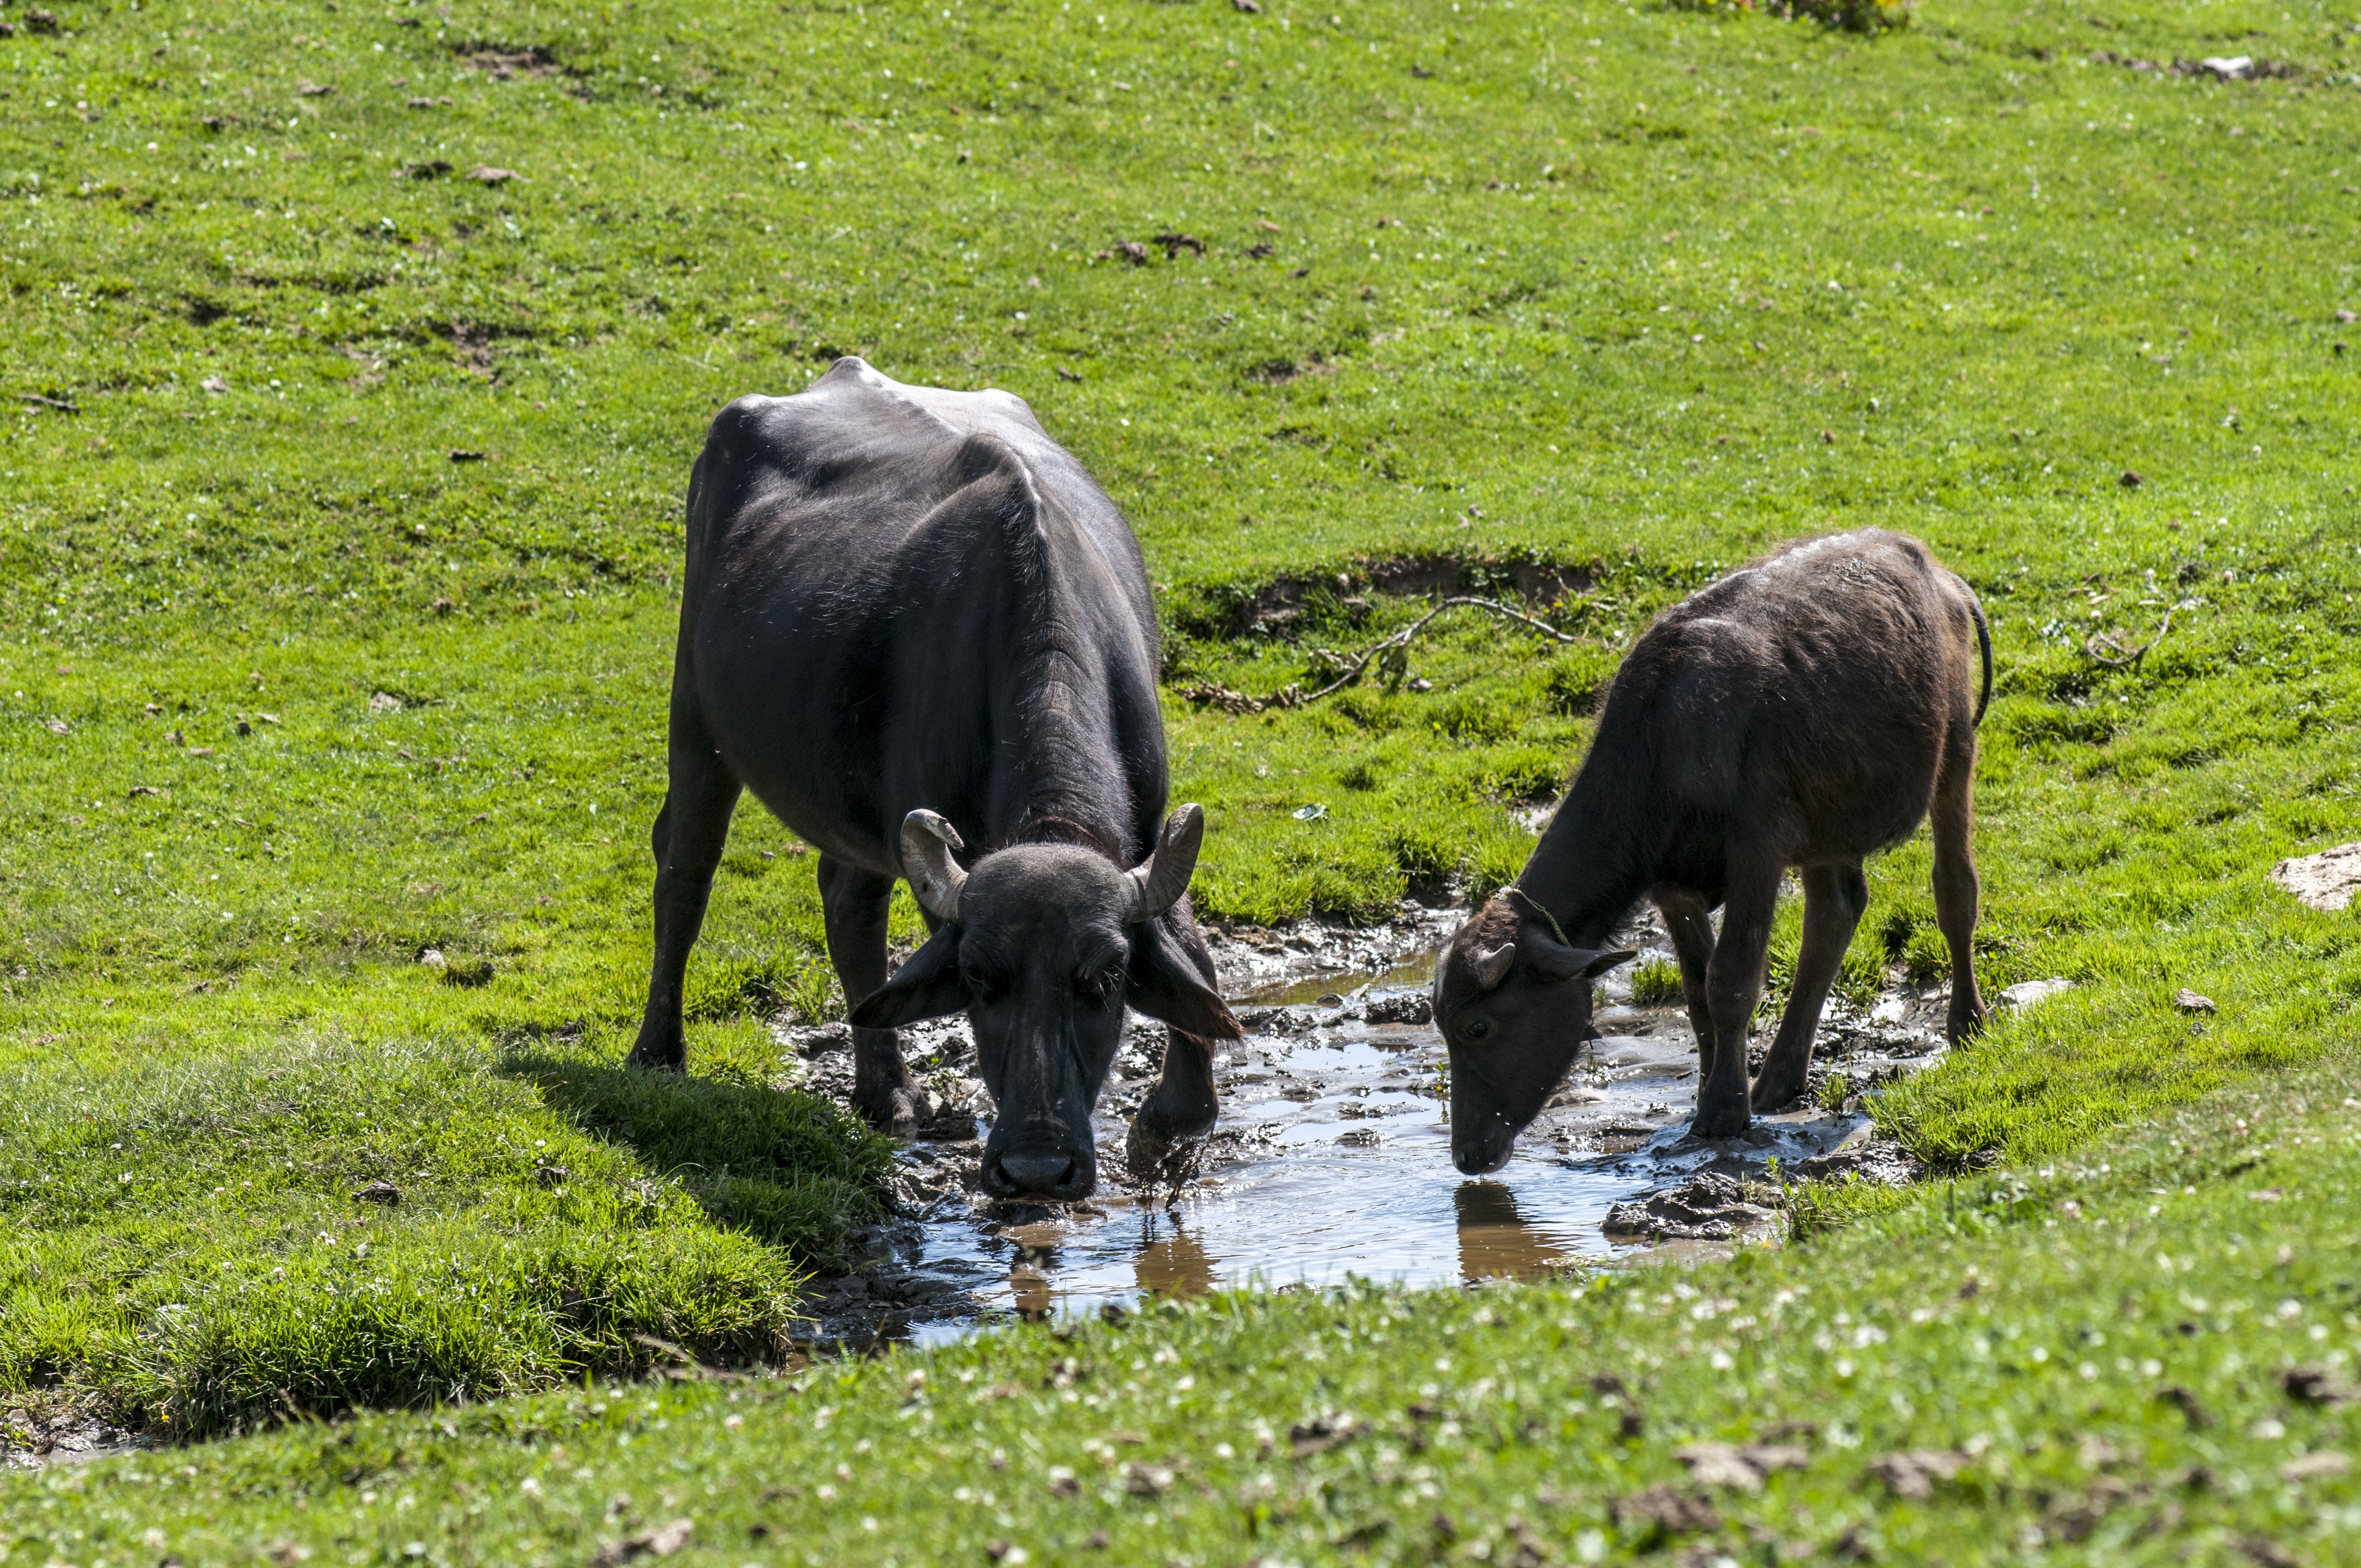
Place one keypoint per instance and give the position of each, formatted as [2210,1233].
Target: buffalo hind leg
[1834,897]
[1956,891]
[1180,1110]
[1691,926]
[689,834]
[853,905]
[1733,985]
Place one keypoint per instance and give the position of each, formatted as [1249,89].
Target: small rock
[384,702]
[2027,992]
[2189,1001]
[466,454]
[485,174]
[2228,68]
[550,1175]
[433,959]
[2325,881]
[1361,1138]
[384,1193]
[2130,480]
[2346,318]
[215,385]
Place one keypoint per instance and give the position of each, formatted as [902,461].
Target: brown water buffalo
[1805,711]
[921,634]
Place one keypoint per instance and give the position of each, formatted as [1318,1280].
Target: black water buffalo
[1806,711]
[921,634]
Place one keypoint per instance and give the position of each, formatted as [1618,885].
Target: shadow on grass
[781,1166]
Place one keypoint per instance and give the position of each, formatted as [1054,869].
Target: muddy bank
[1331,1160]
[31,1440]
[1274,607]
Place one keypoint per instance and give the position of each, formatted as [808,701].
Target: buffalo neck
[1059,777]
[1597,857]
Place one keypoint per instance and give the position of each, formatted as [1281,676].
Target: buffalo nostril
[1036,1174]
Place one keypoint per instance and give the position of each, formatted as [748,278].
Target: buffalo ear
[926,987]
[1558,961]
[1164,985]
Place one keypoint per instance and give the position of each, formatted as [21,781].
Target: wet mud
[31,1440]
[1332,1159]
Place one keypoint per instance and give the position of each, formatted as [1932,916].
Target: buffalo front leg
[1956,892]
[1691,926]
[1182,1107]
[1834,897]
[1733,985]
[689,834]
[853,905]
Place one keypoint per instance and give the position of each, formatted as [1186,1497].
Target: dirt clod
[1742,1465]
[1665,1510]
[661,1542]
[1709,1206]
[1913,1473]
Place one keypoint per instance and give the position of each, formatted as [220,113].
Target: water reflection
[1174,1264]
[1495,1240]
[1029,1270]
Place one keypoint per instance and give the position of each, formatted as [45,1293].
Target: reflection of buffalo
[1807,710]
[901,602]
[1495,1240]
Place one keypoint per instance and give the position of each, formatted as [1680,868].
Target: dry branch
[2104,648]
[1207,693]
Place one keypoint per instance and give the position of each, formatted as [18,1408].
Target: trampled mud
[1332,1161]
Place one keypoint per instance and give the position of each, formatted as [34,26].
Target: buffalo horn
[936,879]
[1492,963]
[1157,882]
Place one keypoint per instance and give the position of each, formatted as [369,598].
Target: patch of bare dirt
[502,62]
[1274,609]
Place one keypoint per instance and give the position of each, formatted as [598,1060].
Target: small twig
[1294,696]
[2121,658]
[61,405]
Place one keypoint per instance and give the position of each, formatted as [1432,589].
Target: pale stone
[2325,881]
[2025,993]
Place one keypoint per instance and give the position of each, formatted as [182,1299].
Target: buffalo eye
[1476,1030]
[988,986]
[1098,985]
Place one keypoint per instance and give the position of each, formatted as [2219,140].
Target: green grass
[2102,1345]
[1625,293]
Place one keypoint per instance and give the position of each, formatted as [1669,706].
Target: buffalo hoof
[1771,1094]
[1965,1022]
[1717,1122]
[659,1059]
[898,1110]
[1157,1158]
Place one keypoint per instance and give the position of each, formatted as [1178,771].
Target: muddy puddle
[1331,1160]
